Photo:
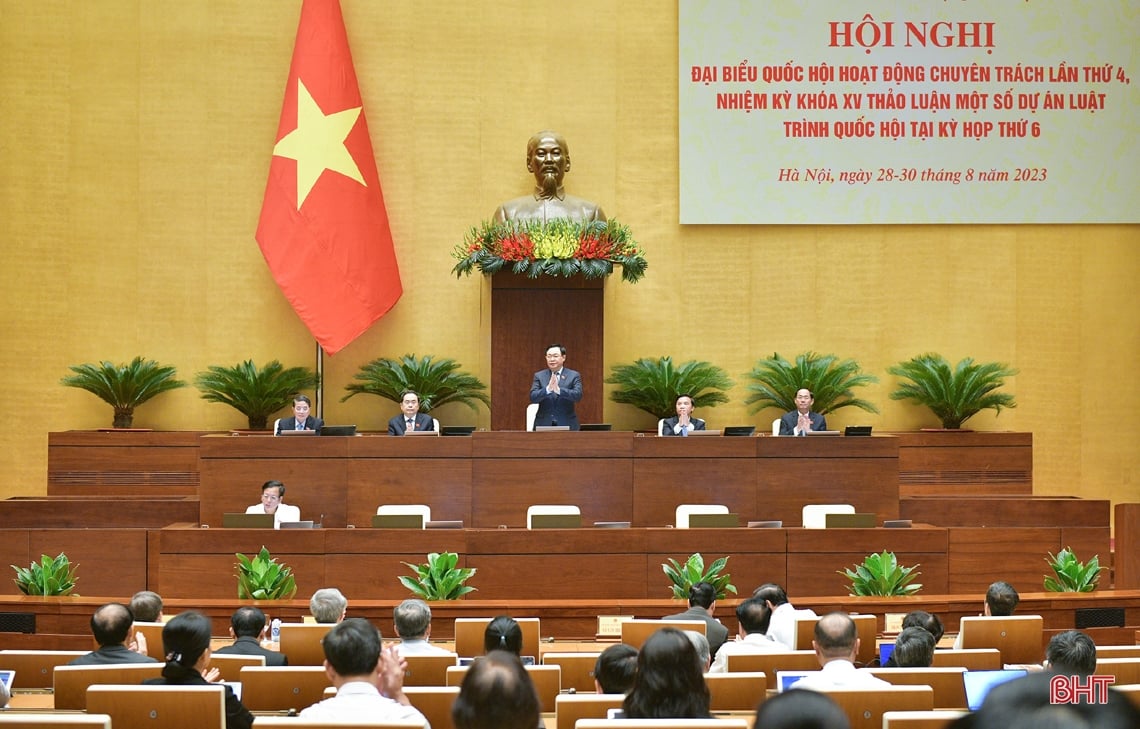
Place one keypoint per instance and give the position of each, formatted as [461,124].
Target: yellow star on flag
[318,143]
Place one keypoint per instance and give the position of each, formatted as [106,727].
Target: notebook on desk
[247,521]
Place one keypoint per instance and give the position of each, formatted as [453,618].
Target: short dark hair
[914,648]
[1002,599]
[835,634]
[552,346]
[405,393]
[1071,652]
[616,668]
[497,693]
[754,615]
[412,618]
[146,606]
[771,592]
[111,623]
[302,398]
[1025,702]
[927,621]
[247,622]
[184,639]
[352,647]
[702,594]
[681,395]
[801,710]
[503,634]
[274,484]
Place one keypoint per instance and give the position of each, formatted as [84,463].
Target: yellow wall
[136,139]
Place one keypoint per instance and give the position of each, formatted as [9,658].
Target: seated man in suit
[802,420]
[702,603]
[301,419]
[111,625]
[556,389]
[411,418]
[683,423]
[247,628]
[272,498]
[413,624]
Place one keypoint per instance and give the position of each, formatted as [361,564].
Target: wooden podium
[528,315]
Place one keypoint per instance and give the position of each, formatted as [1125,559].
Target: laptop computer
[823,432]
[546,428]
[7,678]
[457,429]
[787,679]
[857,430]
[596,426]
[421,432]
[698,433]
[307,524]
[247,521]
[885,651]
[338,430]
[980,683]
[740,430]
[297,432]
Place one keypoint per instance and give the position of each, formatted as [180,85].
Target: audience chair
[153,634]
[547,681]
[867,626]
[814,516]
[421,510]
[169,707]
[34,669]
[469,636]
[280,688]
[739,691]
[973,659]
[53,720]
[531,414]
[570,708]
[301,642]
[577,669]
[937,719]
[1018,637]
[550,510]
[661,426]
[684,511]
[434,702]
[770,663]
[71,682]
[776,426]
[949,690]
[664,724]
[865,707]
[1126,670]
[229,665]
[429,670]
[636,632]
[1102,651]
[1131,690]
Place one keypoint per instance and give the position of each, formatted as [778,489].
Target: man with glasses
[272,498]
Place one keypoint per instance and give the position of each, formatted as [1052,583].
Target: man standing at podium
[556,389]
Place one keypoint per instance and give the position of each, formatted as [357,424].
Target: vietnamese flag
[323,228]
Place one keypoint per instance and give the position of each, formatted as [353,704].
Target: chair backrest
[1018,637]
[865,707]
[867,626]
[229,665]
[770,663]
[169,707]
[434,702]
[531,414]
[663,724]
[738,691]
[1131,691]
[301,643]
[972,659]
[153,634]
[569,708]
[1126,670]
[661,426]
[48,719]
[550,510]
[34,669]
[429,669]
[949,690]
[814,516]
[469,636]
[71,682]
[421,510]
[1102,651]
[684,511]
[547,681]
[280,688]
[577,669]
[635,632]
[937,719]
[776,426]
[276,426]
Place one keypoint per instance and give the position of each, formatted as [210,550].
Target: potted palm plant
[436,381]
[832,382]
[653,385]
[953,395]
[255,392]
[124,386]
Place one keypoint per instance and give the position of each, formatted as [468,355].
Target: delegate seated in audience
[186,644]
[670,682]
[1072,653]
[369,680]
[782,626]
[146,606]
[272,502]
[247,628]
[1001,601]
[836,646]
[328,605]
[701,645]
[1027,703]
[111,625]
[412,619]
[702,605]
[801,710]
[753,616]
[497,693]
[504,634]
[914,648]
[615,669]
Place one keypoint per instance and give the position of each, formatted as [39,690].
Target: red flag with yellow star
[324,229]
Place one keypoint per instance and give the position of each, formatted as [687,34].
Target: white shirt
[782,627]
[361,701]
[285,512]
[840,673]
[420,648]
[750,644]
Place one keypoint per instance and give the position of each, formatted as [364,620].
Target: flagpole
[320,382]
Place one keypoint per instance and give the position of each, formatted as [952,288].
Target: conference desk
[489,479]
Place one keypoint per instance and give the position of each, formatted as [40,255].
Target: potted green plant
[439,578]
[47,577]
[1070,574]
[653,385]
[880,575]
[263,578]
[437,382]
[123,386]
[684,576]
[255,392]
[953,395]
[832,382]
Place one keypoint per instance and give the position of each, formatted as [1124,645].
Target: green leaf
[832,381]
[653,385]
[683,577]
[881,575]
[255,392]
[439,578]
[437,382]
[953,396]
[263,578]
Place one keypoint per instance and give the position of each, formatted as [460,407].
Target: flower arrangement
[558,247]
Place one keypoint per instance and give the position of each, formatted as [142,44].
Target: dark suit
[111,654]
[716,633]
[290,423]
[671,423]
[397,426]
[556,409]
[789,421]
[174,674]
[247,646]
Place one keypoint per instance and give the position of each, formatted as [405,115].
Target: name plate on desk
[609,626]
[714,521]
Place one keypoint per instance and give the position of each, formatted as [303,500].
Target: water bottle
[275,630]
